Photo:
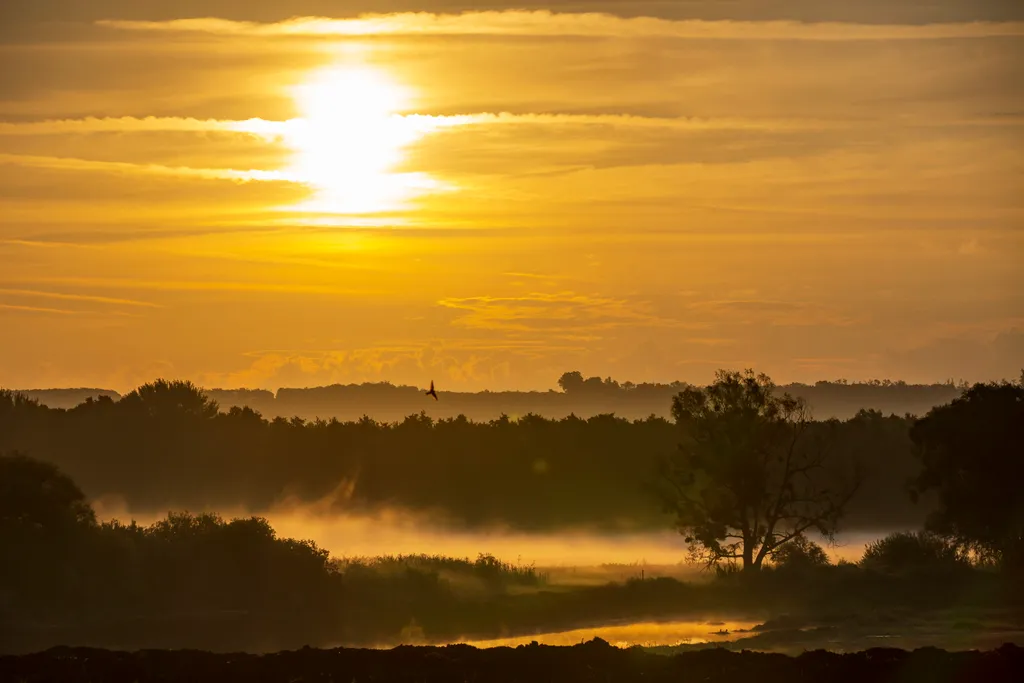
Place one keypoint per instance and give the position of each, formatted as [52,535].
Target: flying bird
[432,392]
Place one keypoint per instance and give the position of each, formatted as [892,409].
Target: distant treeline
[584,397]
[167,446]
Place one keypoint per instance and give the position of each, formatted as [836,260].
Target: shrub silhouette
[800,555]
[912,552]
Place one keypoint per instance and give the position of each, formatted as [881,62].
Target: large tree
[972,452]
[44,521]
[750,475]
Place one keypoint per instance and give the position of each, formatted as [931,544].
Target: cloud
[35,309]
[428,122]
[199,285]
[552,312]
[130,124]
[547,23]
[71,164]
[76,297]
[422,122]
[17,14]
[766,312]
[89,238]
[795,186]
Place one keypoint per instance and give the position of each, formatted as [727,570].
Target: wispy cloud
[128,124]
[536,276]
[551,312]
[64,296]
[425,123]
[36,309]
[546,23]
[419,122]
[72,164]
[197,285]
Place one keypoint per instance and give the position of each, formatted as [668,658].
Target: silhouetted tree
[973,456]
[571,382]
[164,398]
[749,477]
[37,499]
[43,518]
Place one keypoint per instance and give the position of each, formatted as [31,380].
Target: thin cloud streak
[72,164]
[421,122]
[36,309]
[552,312]
[547,23]
[77,297]
[200,286]
[149,124]
[264,128]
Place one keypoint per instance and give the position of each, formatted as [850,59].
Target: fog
[395,532]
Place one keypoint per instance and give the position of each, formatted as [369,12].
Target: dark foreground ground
[595,662]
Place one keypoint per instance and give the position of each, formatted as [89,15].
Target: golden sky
[272,194]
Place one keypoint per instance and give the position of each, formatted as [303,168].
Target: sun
[350,140]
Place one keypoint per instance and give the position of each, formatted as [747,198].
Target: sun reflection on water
[648,634]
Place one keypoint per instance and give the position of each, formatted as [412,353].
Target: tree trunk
[748,556]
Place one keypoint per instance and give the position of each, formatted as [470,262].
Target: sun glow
[351,140]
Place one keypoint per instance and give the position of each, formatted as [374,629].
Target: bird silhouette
[432,392]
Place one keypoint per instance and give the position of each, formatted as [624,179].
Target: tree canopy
[749,476]
[972,453]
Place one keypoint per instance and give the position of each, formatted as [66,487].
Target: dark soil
[593,662]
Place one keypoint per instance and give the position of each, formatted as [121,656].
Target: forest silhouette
[168,445]
[197,580]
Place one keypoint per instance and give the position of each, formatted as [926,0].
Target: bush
[800,554]
[911,553]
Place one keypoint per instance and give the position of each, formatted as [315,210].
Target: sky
[269,194]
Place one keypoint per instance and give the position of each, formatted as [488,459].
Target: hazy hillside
[67,398]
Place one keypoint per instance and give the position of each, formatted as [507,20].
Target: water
[647,634]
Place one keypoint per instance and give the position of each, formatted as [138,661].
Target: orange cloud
[76,297]
[66,164]
[546,23]
[552,312]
